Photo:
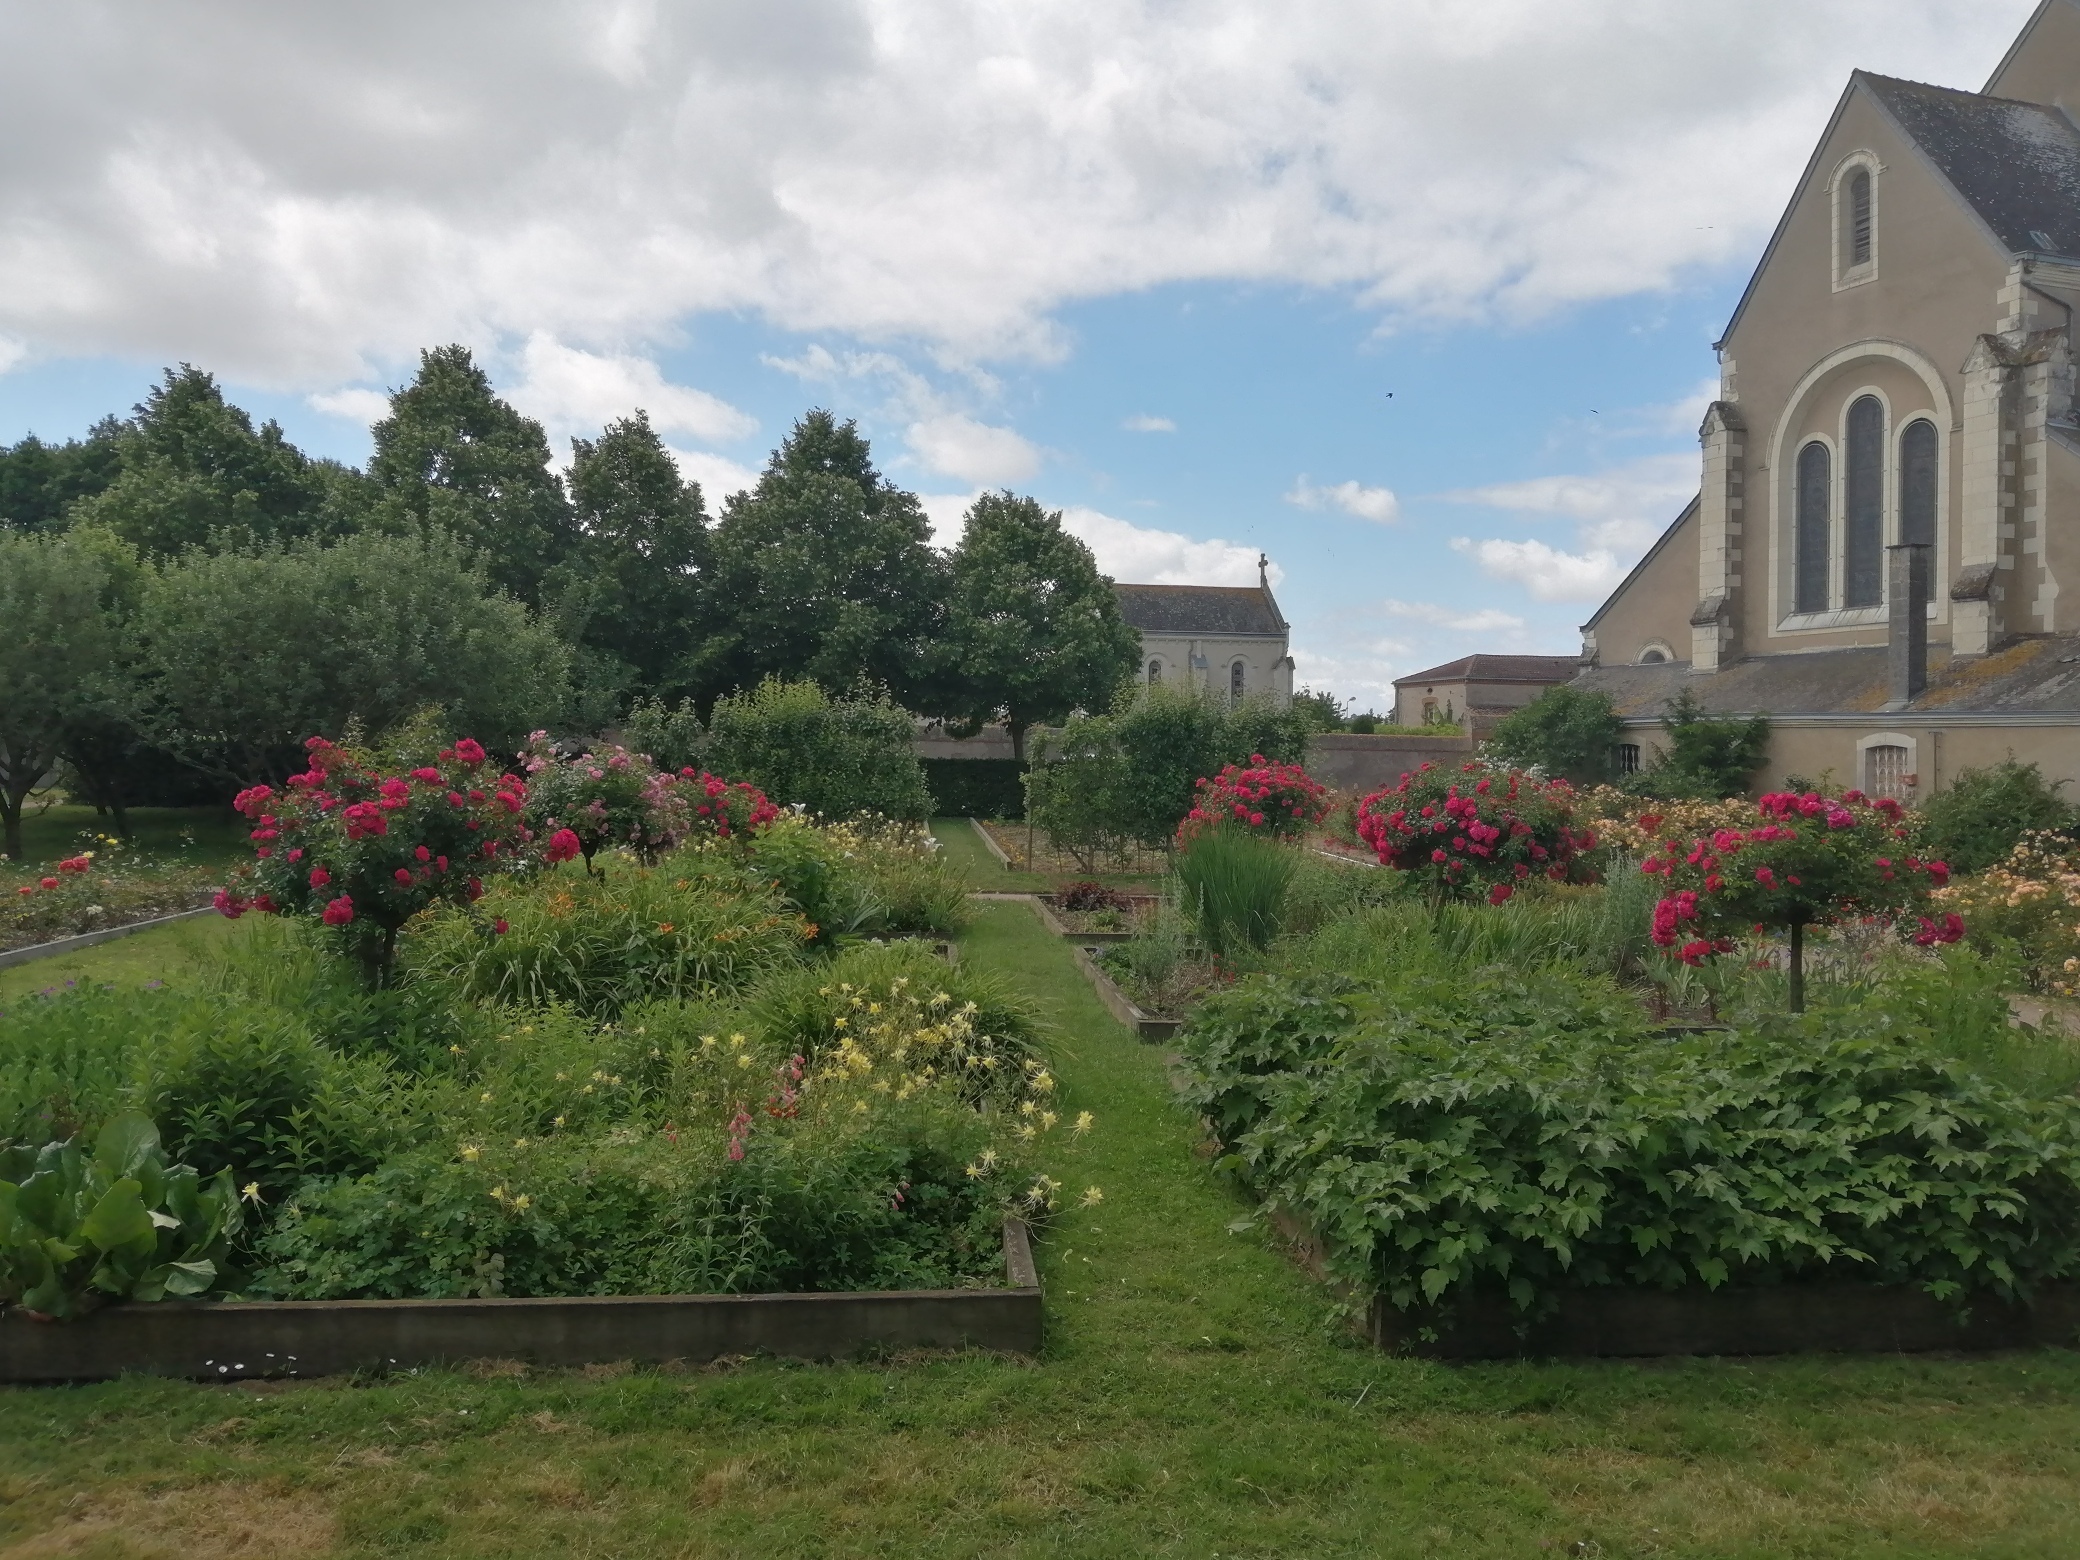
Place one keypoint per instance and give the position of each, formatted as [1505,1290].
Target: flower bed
[95,890]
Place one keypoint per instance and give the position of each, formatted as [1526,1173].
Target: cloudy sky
[1417,296]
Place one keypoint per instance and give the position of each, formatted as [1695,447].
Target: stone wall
[1353,761]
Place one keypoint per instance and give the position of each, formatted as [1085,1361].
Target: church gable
[2044,64]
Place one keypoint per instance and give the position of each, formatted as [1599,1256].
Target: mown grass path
[1193,1400]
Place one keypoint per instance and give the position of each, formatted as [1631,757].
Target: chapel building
[1231,640]
[1890,500]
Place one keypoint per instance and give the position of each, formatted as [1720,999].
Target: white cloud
[1483,620]
[948,513]
[1141,422]
[355,405]
[1362,678]
[958,446]
[1141,555]
[718,475]
[1546,572]
[12,352]
[1367,503]
[574,392]
[304,195]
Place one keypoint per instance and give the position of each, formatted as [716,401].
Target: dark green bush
[976,787]
[1976,822]
[1567,732]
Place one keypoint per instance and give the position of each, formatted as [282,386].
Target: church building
[1890,485]
[1231,639]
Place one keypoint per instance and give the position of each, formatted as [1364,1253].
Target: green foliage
[40,482]
[1568,732]
[1521,1135]
[79,1229]
[685,929]
[837,756]
[253,652]
[993,788]
[452,455]
[807,867]
[1705,758]
[671,735]
[1974,823]
[1234,885]
[1033,629]
[824,571]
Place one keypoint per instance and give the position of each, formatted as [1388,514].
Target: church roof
[2037,676]
[2017,165]
[1213,610]
[1499,669]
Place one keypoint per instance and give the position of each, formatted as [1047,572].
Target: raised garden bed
[1024,849]
[1149,1026]
[1098,927]
[47,950]
[1788,1319]
[230,1340]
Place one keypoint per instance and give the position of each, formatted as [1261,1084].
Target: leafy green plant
[1984,813]
[1566,732]
[119,1224]
[1234,885]
[1706,758]
[834,755]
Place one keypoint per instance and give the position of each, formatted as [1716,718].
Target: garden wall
[1354,761]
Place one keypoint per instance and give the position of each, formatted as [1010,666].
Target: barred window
[1885,770]
[1235,679]
[1155,671]
[1625,758]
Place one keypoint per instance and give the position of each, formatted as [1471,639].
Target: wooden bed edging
[1054,923]
[230,1340]
[990,844]
[87,939]
[1149,1026]
[1788,1319]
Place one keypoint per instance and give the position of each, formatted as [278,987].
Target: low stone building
[1476,691]
[1229,639]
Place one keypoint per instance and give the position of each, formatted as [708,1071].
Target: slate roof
[1213,610]
[1499,668]
[2016,164]
[2036,677]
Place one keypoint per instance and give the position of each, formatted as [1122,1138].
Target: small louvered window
[1625,758]
[1857,217]
[1885,771]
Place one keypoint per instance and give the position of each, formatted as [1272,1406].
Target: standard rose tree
[1811,859]
[1477,831]
[1266,798]
[363,852]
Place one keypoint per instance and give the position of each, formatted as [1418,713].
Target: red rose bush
[1475,831]
[1271,800]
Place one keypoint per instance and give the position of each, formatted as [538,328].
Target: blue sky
[1159,265]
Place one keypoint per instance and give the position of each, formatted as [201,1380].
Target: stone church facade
[1890,480]
[1232,640]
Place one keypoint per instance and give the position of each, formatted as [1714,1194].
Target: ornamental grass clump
[1812,859]
[362,852]
[1233,885]
[1478,832]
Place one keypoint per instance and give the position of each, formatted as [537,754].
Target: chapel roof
[2016,164]
[1201,609]
[1499,669]
[2039,675]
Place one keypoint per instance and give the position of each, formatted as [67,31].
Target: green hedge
[976,787]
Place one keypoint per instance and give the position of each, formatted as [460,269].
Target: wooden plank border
[87,939]
[232,1340]
[989,843]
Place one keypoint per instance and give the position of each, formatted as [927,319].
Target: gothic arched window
[1155,671]
[1863,504]
[1917,482]
[1235,678]
[1810,542]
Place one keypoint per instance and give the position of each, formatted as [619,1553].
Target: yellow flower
[558,1122]
[974,1172]
[484,1098]
[1092,1197]
[586,1090]
[454,1050]
[1083,1123]
[744,1059]
[251,1192]
[472,1153]
[522,1201]
[987,1158]
[519,1142]
[498,1193]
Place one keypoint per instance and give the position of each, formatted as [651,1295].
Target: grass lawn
[154,955]
[1194,1399]
[965,847]
[205,835]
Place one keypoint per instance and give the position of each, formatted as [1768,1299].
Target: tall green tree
[452,455]
[249,653]
[633,588]
[1033,629]
[1568,732]
[39,482]
[823,570]
[1706,757]
[194,471]
[59,655]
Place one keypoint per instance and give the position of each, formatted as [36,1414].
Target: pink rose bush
[613,797]
[1477,832]
[362,852]
[1273,800]
[1808,859]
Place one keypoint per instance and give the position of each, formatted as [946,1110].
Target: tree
[1033,629]
[636,578]
[58,656]
[823,570]
[1706,759]
[453,455]
[838,757]
[1976,822]
[249,653]
[1568,732]
[195,472]
[39,482]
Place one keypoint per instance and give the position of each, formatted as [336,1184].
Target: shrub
[837,757]
[1567,732]
[689,928]
[1477,831]
[1705,758]
[1520,1138]
[1812,859]
[670,737]
[612,797]
[1986,812]
[363,853]
[810,867]
[1277,801]
[1083,897]
[1076,791]
[1233,885]
[2029,903]
[916,891]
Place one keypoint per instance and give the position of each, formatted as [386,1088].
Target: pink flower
[50,882]
[1499,894]
[227,903]
[499,926]
[476,890]
[421,853]
[339,912]
[563,845]
[296,854]
[403,875]
[469,751]
[427,776]
[320,877]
